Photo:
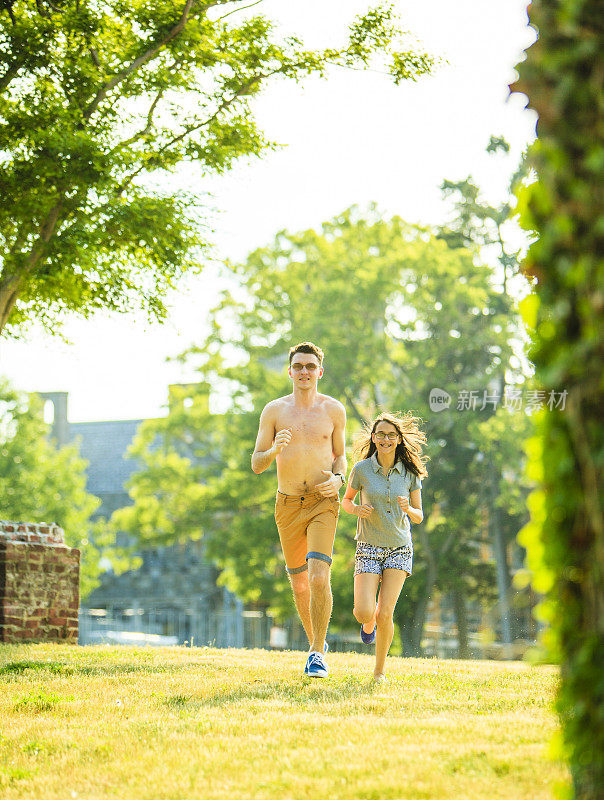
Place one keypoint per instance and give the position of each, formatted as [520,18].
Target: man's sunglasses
[311,367]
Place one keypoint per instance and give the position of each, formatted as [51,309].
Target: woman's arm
[412,509]
[347,504]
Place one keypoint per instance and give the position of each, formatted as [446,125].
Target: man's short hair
[306,347]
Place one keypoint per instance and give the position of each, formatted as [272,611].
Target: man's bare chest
[308,427]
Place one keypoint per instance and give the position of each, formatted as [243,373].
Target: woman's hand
[403,503]
[363,511]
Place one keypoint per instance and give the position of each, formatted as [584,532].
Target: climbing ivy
[562,76]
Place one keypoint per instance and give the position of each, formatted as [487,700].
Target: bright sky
[352,139]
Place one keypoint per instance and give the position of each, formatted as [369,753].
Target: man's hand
[282,439]
[403,503]
[331,487]
[363,511]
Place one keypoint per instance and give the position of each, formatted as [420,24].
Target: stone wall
[39,584]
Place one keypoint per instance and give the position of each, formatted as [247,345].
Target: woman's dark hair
[408,450]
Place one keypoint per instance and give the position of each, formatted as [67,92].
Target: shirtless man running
[304,432]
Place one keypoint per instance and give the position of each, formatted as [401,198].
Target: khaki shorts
[307,528]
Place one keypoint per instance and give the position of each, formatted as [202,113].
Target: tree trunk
[501,561]
[406,627]
[411,625]
[11,285]
[9,292]
[411,622]
[461,618]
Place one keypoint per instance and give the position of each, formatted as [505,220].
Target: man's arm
[333,484]
[338,442]
[268,445]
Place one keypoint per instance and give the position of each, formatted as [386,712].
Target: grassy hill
[178,723]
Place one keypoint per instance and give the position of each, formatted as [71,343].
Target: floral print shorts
[370,558]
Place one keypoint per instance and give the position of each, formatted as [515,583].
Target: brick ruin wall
[39,584]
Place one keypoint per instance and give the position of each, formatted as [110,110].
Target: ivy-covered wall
[563,77]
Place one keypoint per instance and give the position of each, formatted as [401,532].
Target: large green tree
[398,312]
[564,80]
[99,103]
[488,228]
[40,483]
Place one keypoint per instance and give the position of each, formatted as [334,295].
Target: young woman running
[388,478]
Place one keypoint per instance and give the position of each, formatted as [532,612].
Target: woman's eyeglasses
[392,437]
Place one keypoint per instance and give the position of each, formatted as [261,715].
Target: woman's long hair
[408,450]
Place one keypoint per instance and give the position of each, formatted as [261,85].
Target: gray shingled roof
[104,446]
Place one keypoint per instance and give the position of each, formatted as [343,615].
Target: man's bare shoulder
[333,406]
[276,405]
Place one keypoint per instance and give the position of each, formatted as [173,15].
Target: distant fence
[168,626]
[236,627]
[164,626]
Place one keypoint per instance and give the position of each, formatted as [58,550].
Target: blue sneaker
[315,666]
[368,638]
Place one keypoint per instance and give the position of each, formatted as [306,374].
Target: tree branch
[145,130]
[8,5]
[235,10]
[41,11]
[128,180]
[357,414]
[10,74]
[54,8]
[138,62]
[94,56]
[46,231]
[191,129]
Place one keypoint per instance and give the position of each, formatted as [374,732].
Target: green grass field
[176,723]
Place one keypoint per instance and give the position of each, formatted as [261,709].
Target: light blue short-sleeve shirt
[387,525]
